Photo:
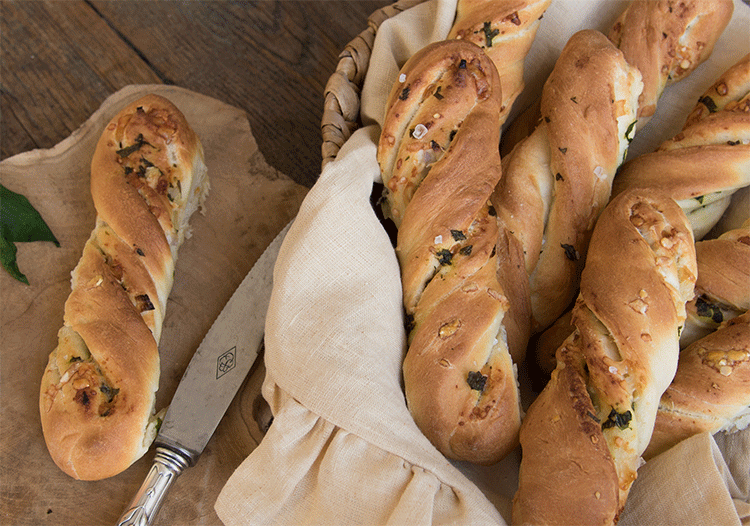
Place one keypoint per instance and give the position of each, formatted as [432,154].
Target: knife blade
[210,382]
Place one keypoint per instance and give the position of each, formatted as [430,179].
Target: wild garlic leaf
[19,222]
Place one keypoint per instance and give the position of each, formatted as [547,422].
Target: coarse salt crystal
[438,240]
[613,369]
[402,77]
[419,131]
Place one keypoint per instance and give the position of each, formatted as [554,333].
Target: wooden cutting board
[248,204]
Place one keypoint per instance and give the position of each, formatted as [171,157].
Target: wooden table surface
[271,58]
[60,60]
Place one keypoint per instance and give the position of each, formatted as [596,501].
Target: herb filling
[709,103]
[570,252]
[708,310]
[489,33]
[444,256]
[621,420]
[139,141]
[476,380]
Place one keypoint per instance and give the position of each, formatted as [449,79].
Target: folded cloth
[693,484]
[343,448]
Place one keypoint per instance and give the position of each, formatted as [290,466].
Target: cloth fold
[343,448]
[692,484]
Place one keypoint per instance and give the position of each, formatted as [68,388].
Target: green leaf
[19,222]
[8,258]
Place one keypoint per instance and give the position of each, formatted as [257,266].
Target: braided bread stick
[722,291]
[97,394]
[459,371]
[557,181]
[666,40]
[505,29]
[583,436]
[711,390]
[715,140]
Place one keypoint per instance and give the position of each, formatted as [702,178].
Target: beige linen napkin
[343,448]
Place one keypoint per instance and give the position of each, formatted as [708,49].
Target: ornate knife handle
[168,465]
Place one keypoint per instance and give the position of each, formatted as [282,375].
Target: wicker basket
[341,104]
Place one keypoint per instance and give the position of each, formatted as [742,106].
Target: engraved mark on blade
[226,362]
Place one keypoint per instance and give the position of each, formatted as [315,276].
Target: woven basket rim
[341,102]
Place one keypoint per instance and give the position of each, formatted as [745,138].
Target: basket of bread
[519,290]
[531,237]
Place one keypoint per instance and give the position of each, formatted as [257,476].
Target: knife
[211,380]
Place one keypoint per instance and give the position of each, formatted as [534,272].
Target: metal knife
[211,380]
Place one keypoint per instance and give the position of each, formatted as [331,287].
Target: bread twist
[505,29]
[583,436]
[557,181]
[440,162]
[711,390]
[97,394]
[722,291]
[715,140]
[666,40]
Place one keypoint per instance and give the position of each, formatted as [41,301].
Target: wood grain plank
[60,60]
[270,58]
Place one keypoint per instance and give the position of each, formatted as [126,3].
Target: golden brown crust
[711,390]
[667,39]
[728,92]
[505,29]
[547,342]
[723,287]
[459,377]
[557,181]
[97,394]
[571,427]
[614,367]
[715,142]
